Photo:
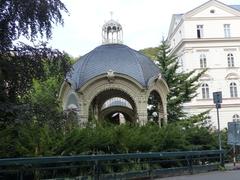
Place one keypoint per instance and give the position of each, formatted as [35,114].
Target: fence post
[150,170]
[222,159]
[97,170]
[190,164]
[20,175]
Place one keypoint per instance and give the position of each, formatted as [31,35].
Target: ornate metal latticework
[112,32]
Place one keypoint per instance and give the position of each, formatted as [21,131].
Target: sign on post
[217,98]
[234,133]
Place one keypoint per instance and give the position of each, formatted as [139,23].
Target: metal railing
[111,166]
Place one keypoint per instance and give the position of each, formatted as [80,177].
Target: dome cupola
[112,32]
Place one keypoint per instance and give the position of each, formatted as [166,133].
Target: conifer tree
[182,85]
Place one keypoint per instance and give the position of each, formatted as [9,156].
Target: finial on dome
[111,13]
[112,32]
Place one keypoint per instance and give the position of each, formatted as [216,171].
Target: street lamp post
[217,99]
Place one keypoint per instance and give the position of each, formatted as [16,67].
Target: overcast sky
[144,22]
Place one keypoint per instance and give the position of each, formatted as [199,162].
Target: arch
[128,113]
[158,84]
[96,110]
[231,76]
[116,76]
[205,77]
[71,101]
[155,107]
[116,101]
[236,118]
[111,95]
[93,90]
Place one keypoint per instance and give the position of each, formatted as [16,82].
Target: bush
[105,138]
[31,139]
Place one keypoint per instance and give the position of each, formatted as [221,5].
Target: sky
[144,22]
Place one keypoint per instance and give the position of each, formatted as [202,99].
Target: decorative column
[142,110]
[83,113]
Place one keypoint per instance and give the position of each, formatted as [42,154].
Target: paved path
[216,175]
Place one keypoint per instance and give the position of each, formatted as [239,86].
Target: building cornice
[211,106]
[212,18]
[203,40]
[220,68]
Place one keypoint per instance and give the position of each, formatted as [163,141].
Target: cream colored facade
[209,37]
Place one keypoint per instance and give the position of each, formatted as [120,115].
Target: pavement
[230,173]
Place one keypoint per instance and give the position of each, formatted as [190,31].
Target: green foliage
[28,139]
[19,63]
[196,120]
[182,85]
[133,138]
[151,52]
[30,78]
[28,18]
[43,96]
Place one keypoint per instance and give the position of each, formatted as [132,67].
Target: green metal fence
[111,166]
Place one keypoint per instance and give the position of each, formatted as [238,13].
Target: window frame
[203,61]
[199,31]
[227,30]
[205,91]
[230,60]
[233,90]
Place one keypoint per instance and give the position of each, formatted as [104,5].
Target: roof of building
[237,7]
[116,57]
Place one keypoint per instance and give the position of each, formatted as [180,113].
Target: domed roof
[116,57]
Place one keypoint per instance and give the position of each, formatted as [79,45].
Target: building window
[230,59]
[233,90]
[199,31]
[212,11]
[236,118]
[227,29]
[205,91]
[203,61]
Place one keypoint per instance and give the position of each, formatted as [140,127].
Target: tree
[19,63]
[28,18]
[151,52]
[182,85]
[43,95]
[18,69]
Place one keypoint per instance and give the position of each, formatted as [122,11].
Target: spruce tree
[182,85]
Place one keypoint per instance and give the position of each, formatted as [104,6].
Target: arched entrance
[114,106]
[155,108]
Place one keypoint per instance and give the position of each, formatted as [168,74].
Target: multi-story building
[209,37]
